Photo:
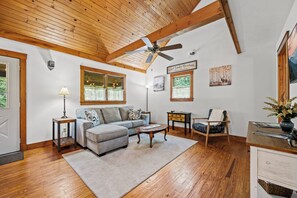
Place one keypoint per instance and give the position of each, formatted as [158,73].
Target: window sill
[101,102]
[181,99]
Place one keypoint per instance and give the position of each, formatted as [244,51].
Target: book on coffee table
[150,126]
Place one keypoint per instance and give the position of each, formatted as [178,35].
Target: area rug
[117,172]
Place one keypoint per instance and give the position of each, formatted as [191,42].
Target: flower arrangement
[286,110]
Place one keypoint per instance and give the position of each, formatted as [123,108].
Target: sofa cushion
[127,123]
[137,123]
[111,114]
[124,111]
[106,132]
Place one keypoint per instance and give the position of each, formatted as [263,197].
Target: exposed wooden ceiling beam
[229,20]
[48,45]
[199,18]
[122,65]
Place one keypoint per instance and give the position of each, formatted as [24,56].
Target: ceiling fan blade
[171,47]
[135,52]
[147,42]
[165,56]
[149,58]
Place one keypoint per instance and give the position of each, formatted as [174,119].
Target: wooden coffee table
[151,132]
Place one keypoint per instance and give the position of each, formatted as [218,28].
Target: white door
[9,105]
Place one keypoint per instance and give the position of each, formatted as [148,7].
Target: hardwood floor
[221,170]
[43,173]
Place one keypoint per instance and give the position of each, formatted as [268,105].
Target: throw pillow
[92,116]
[124,111]
[134,114]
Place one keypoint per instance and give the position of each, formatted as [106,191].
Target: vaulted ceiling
[89,28]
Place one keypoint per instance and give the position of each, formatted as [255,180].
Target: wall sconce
[51,65]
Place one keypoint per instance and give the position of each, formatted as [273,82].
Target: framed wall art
[292,53]
[159,83]
[220,76]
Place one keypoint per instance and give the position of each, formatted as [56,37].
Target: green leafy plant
[3,87]
[285,109]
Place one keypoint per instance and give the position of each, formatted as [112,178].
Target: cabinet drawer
[177,119]
[176,116]
[279,167]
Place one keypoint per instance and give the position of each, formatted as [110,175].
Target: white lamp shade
[64,92]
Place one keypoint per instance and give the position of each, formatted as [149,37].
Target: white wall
[43,86]
[253,78]
[289,25]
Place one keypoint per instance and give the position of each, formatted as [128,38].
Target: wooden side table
[65,141]
[184,117]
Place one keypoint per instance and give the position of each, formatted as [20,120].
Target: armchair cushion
[213,128]
[223,111]
[216,115]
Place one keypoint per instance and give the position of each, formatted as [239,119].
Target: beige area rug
[116,173]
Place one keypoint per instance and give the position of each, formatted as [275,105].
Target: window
[181,86]
[3,86]
[102,87]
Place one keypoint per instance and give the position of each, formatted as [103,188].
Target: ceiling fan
[154,48]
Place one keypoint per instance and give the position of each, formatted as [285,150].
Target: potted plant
[286,110]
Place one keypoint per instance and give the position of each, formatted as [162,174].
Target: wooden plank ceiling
[90,28]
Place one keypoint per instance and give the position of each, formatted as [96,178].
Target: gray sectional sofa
[112,132]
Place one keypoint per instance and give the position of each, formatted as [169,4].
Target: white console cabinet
[271,160]
[273,166]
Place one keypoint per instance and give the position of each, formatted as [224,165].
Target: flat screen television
[292,52]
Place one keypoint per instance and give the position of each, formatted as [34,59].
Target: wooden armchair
[215,125]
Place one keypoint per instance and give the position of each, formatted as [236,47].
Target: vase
[286,125]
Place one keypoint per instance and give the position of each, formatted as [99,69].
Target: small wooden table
[176,116]
[151,132]
[65,141]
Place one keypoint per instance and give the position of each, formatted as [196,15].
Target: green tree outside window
[182,81]
[3,92]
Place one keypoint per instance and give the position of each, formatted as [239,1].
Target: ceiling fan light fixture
[154,48]
[149,58]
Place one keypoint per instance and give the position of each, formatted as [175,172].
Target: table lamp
[64,92]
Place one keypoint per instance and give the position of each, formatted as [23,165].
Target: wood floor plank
[221,170]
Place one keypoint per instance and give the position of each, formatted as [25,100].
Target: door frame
[283,70]
[23,108]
